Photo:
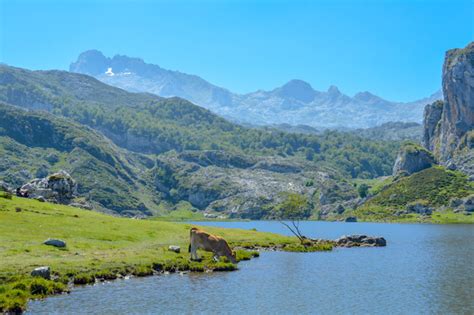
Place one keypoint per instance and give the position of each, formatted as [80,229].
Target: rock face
[432,116]
[448,126]
[411,159]
[58,187]
[360,241]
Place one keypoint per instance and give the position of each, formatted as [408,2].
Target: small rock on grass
[55,242]
[174,248]
[43,272]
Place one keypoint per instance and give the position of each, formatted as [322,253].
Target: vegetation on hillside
[433,187]
[149,124]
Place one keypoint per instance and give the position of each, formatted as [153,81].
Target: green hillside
[36,144]
[146,123]
[433,187]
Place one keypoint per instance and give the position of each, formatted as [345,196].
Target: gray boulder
[40,199]
[351,219]
[419,208]
[43,272]
[360,241]
[174,248]
[55,242]
[59,187]
[412,158]
[465,204]
[468,203]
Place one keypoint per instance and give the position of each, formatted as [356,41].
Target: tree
[294,209]
[363,190]
[309,154]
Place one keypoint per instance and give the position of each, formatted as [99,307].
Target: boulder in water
[360,241]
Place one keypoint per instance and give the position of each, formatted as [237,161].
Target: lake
[423,269]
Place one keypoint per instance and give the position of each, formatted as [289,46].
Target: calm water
[423,269]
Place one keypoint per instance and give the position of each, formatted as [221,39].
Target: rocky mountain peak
[367,97]
[91,62]
[297,89]
[333,90]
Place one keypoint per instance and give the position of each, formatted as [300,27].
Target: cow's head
[233,257]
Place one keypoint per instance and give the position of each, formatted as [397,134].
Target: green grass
[376,185]
[309,248]
[99,247]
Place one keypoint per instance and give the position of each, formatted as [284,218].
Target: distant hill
[394,131]
[294,103]
[390,131]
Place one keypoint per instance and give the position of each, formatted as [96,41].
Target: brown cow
[200,239]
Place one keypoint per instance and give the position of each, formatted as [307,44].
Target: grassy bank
[98,247]
[386,215]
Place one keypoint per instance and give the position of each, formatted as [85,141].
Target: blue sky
[394,49]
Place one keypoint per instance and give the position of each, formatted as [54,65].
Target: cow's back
[207,241]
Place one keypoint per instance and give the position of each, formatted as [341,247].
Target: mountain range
[139,153]
[294,103]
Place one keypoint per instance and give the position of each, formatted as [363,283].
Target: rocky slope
[449,125]
[33,145]
[295,103]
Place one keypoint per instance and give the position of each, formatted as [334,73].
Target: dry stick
[289,228]
[297,229]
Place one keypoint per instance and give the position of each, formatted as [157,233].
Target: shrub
[40,287]
[363,190]
[6,195]
[83,278]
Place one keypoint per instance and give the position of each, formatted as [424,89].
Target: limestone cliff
[448,126]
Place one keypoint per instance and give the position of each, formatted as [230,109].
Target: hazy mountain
[294,103]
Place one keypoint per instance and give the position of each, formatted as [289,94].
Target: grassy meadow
[99,247]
